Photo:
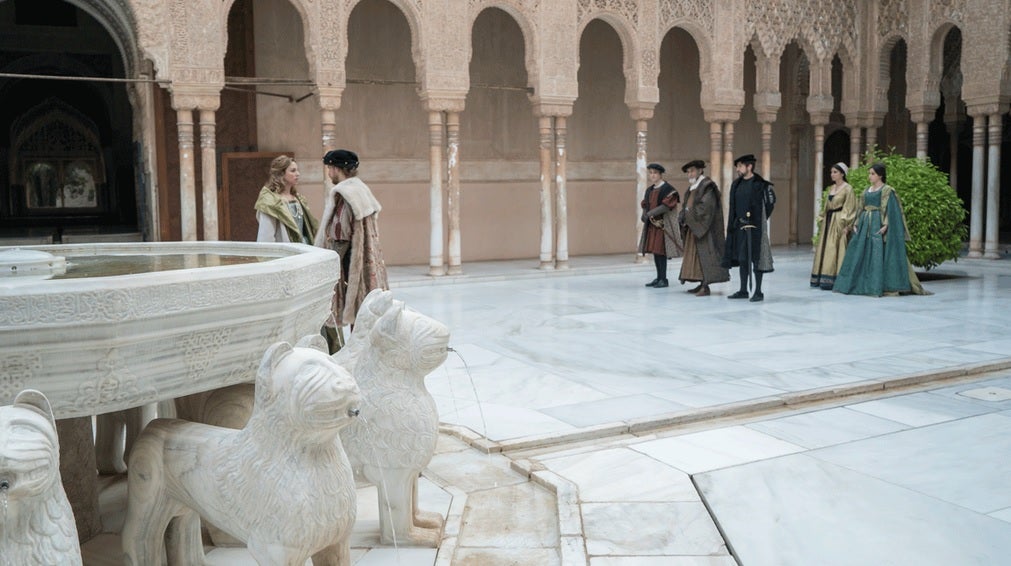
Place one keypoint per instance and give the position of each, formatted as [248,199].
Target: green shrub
[934,213]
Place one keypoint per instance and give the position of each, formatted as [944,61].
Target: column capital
[712,116]
[976,109]
[552,106]
[921,114]
[190,97]
[329,97]
[871,119]
[767,103]
[438,100]
[641,111]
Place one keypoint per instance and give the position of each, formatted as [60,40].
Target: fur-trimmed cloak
[367,270]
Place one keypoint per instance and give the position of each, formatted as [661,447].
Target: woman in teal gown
[875,262]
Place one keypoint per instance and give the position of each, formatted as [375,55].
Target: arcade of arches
[489,129]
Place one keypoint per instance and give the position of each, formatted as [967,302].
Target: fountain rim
[283,257]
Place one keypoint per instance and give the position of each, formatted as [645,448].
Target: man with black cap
[751,202]
[350,226]
[660,235]
[701,226]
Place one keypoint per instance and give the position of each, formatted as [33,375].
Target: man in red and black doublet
[660,236]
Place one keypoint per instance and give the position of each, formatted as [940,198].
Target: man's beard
[691,180]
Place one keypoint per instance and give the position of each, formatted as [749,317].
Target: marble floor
[631,426]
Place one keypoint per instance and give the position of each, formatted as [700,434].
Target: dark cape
[748,217]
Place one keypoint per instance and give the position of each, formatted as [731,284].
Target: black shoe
[695,289]
[758,296]
[739,295]
[653,282]
[662,283]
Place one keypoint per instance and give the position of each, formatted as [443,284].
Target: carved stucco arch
[935,69]
[850,103]
[702,44]
[882,79]
[530,44]
[629,50]
[1005,79]
[117,17]
[414,19]
[309,33]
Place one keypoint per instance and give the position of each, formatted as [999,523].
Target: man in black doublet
[751,203]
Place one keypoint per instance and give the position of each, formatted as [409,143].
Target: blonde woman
[282,213]
[838,212]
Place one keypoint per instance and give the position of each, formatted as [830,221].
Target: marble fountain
[110,328]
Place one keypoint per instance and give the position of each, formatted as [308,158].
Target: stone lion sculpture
[36,520]
[390,352]
[282,483]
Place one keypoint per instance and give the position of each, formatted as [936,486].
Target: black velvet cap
[656,167]
[341,158]
[698,164]
[749,158]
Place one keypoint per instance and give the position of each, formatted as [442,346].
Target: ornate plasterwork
[947,10]
[821,24]
[893,16]
[698,11]
[16,371]
[628,9]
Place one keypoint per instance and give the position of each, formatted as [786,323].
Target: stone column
[922,116]
[453,186]
[209,174]
[641,117]
[795,132]
[436,129]
[728,161]
[715,160]
[872,135]
[329,103]
[976,206]
[328,126]
[561,196]
[952,126]
[767,105]
[819,167]
[546,129]
[766,150]
[855,132]
[187,184]
[991,251]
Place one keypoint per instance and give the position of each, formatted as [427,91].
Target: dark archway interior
[66,147]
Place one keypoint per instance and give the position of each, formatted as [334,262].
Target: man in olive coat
[701,225]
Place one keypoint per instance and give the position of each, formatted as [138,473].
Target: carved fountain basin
[147,322]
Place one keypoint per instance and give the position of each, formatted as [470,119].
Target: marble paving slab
[966,462]
[712,449]
[800,510]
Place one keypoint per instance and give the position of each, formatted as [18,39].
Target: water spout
[353,412]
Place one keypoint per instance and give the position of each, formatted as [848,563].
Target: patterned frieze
[893,17]
[824,25]
[947,10]
[628,9]
[699,12]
